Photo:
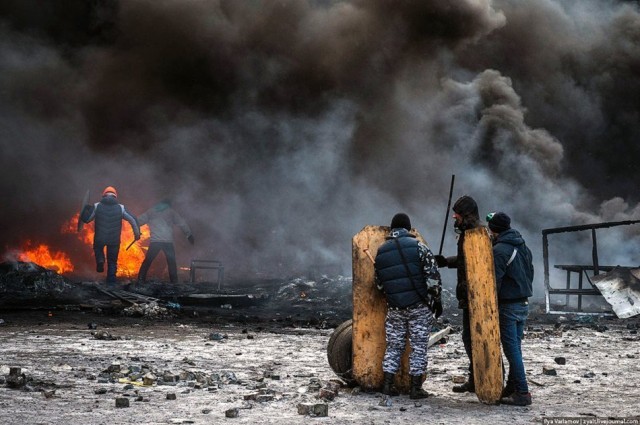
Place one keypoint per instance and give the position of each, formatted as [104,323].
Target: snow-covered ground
[267,372]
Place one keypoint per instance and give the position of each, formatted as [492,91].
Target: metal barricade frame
[574,268]
[207,265]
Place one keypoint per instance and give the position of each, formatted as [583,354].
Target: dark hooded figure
[406,272]
[108,214]
[465,215]
[161,218]
[514,285]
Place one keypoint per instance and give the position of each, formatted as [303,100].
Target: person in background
[514,285]
[161,218]
[406,272]
[466,217]
[108,215]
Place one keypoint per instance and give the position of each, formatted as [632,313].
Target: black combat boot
[416,388]
[508,390]
[387,386]
[517,399]
[468,386]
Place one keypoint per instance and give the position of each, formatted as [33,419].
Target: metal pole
[545,257]
[446,217]
[594,253]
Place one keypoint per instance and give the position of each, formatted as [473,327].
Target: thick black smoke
[281,128]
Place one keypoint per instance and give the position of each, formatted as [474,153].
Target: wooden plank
[369,312]
[483,314]
[437,336]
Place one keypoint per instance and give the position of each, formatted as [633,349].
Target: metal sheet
[621,288]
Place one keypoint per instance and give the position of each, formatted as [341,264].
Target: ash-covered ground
[264,360]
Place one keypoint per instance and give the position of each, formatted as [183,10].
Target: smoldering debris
[325,301]
[22,282]
[148,310]
[335,291]
[104,335]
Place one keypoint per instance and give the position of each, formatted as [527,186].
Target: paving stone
[319,409]
[232,413]
[122,402]
[560,360]
[149,379]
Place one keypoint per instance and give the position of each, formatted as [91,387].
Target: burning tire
[340,350]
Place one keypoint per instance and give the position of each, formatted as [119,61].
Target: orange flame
[41,255]
[129,261]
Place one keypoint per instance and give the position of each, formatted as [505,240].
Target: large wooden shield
[483,315]
[369,312]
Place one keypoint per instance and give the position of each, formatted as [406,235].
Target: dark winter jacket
[401,290]
[108,214]
[513,266]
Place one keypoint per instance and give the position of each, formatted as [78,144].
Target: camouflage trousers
[417,322]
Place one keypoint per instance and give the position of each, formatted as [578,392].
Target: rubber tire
[340,351]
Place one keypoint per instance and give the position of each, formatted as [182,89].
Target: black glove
[136,237]
[437,307]
[190,239]
[441,260]
[435,300]
[435,291]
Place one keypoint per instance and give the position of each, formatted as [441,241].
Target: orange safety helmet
[110,189]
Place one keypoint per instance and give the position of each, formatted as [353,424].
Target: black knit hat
[498,222]
[466,206]
[401,220]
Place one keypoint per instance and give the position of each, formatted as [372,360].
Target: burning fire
[129,261]
[41,255]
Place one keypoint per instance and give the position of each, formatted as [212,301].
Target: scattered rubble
[16,379]
[282,376]
[318,409]
[267,363]
[148,310]
[104,335]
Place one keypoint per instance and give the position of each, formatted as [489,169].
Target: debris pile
[104,335]
[148,310]
[303,291]
[24,283]
[18,380]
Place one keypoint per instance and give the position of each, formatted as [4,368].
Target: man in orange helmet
[108,214]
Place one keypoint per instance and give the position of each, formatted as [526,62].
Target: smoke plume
[281,128]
